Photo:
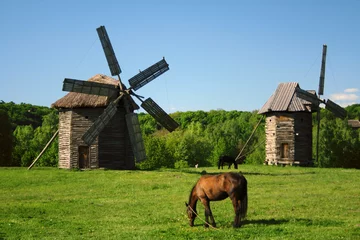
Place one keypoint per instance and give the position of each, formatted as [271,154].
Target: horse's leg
[208,213]
[236,205]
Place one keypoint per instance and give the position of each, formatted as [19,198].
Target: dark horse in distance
[227,159]
[219,187]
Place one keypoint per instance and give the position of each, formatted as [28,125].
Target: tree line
[201,138]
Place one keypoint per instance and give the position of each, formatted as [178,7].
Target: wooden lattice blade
[100,123]
[136,139]
[94,88]
[159,114]
[109,51]
[335,109]
[149,74]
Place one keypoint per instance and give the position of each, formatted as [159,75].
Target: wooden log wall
[279,130]
[64,139]
[112,149]
[82,119]
[293,129]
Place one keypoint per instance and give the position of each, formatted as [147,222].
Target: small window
[284,150]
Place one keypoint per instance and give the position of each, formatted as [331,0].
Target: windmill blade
[136,139]
[94,88]
[109,51]
[307,96]
[335,109]
[100,123]
[159,114]
[149,74]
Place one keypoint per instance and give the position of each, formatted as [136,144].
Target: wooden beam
[257,125]
[47,145]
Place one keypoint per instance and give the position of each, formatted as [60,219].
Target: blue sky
[227,55]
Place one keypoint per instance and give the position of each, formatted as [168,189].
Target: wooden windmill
[115,92]
[289,121]
[329,105]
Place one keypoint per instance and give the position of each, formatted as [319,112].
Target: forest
[201,138]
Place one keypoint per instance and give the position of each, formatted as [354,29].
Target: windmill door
[84,157]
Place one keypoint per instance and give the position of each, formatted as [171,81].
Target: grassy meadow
[284,203]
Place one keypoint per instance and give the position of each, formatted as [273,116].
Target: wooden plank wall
[114,144]
[303,138]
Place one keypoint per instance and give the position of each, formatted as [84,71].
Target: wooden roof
[354,123]
[82,100]
[285,100]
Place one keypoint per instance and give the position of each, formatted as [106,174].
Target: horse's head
[191,214]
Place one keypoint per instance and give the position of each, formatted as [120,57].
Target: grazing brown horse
[227,159]
[219,187]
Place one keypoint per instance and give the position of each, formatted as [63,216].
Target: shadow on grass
[257,222]
[276,174]
[265,221]
[2,236]
[203,172]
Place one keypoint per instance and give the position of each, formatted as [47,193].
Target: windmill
[124,93]
[337,110]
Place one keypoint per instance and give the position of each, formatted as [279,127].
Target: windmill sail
[100,123]
[159,114]
[94,88]
[137,142]
[109,51]
[307,96]
[149,74]
[335,109]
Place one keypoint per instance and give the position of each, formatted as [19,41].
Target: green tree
[353,111]
[157,154]
[25,114]
[189,145]
[6,141]
[23,153]
[339,144]
[30,142]
[41,137]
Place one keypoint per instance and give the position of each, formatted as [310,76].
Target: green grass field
[284,203]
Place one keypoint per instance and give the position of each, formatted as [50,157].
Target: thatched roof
[82,100]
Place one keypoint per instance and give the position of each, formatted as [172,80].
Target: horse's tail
[244,199]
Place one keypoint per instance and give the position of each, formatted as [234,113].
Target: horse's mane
[191,193]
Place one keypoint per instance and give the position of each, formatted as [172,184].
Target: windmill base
[289,162]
